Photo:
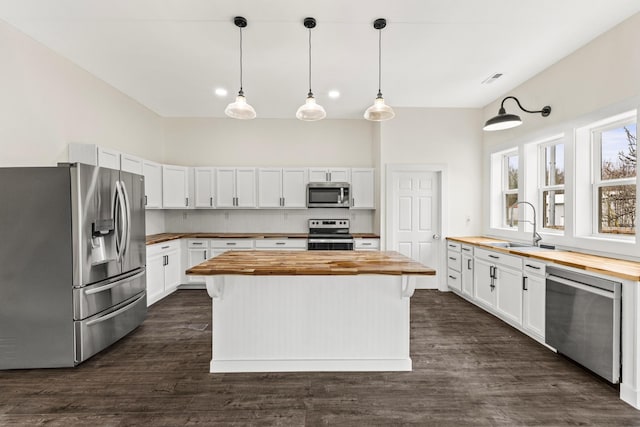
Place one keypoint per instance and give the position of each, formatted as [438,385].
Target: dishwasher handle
[591,289]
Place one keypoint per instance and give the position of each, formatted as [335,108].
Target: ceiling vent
[492,78]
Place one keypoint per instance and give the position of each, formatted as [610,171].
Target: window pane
[617,209]
[510,199]
[553,209]
[554,164]
[512,172]
[618,152]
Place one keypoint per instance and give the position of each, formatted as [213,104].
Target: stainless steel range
[329,235]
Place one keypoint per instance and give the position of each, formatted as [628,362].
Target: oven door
[330,244]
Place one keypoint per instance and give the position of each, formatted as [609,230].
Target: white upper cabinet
[282,187]
[329,175]
[108,158]
[362,188]
[175,187]
[235,187]
[152,184]
[129,163]
[204,187]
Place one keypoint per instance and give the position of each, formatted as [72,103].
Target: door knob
[436,237]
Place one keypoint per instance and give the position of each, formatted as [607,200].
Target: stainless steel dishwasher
[583,320]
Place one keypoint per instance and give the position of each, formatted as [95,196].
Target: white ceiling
[170,55]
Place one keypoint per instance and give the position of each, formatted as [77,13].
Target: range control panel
[329,223]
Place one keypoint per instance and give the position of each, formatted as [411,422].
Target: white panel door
[415,219]
[175,186]
[108,158]
[340,175]
[318,175]
[246,187]
[225,187]
[270,188]
[294,187]
[362,186]
[129,163]
[204,186]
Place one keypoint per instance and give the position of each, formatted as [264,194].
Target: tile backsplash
[256,221]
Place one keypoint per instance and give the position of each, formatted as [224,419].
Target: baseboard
[630,395]
[316,365]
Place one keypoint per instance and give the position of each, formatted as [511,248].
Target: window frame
[542,186]
[505,190]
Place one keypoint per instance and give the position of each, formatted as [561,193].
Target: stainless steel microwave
[328,195]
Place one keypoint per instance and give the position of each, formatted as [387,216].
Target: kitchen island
[311,310]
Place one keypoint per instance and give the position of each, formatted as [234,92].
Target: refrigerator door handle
[127,240]
[120,222]
[116,213]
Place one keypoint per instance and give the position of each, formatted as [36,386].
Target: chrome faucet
[536,237]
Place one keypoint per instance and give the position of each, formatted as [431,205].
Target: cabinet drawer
[230,244]
[373,244]
[467,249]
[499,258]
[453,246]
[198,244]
[535,268]
[454,260]
[281,244]
[453,279]
[163,247]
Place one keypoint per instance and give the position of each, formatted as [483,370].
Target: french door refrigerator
[72,262]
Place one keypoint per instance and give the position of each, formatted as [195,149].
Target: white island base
[310,323]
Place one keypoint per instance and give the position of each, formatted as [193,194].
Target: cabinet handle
[196,243]
[145,200]
[452,277]
[326,176]
[524,283]
[279,243]
[532,266]
[164,247]
[452,246]
[205,254]
[353,201]
[231,243]
[210,201]
[494,256]
[452,258]
[466,249]
[366,244]
[469,264]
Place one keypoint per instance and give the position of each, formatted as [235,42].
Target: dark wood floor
[469,369]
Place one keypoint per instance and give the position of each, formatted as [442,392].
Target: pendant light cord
[241,93]
[310,94]
[379,63]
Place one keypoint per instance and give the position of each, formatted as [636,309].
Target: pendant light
[310,111]
[240,109]
[379,111]
[507,121]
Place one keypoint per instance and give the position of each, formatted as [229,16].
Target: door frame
[441,170]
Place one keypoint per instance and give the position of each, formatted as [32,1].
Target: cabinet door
[339,175]
[152,184]
[270,188]
[175,187]
[108,158]
[204,186]
[294,187]
[196,256]
[245,187]
[509,293]
[172,271]
[129,163]
[155,278]
[534,305]
[467,275]
[318,175]
[225,187]
[484,292]
[362,185]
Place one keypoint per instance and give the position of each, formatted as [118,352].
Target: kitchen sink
[518,246]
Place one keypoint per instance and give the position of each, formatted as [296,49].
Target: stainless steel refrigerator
[72,262]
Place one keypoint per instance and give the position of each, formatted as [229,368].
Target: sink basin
[511,245]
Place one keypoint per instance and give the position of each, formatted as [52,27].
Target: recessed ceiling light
[220,91]
[334,94]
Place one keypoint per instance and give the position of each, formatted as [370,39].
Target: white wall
[451,137]
[47,102]
[268,142]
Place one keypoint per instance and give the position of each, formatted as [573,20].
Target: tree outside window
[510,186]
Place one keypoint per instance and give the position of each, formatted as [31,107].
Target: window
[552,186]
[509,186]
[614,183]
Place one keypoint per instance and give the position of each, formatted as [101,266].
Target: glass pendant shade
[502,121]
[310,111]
[240,109]
[379,111]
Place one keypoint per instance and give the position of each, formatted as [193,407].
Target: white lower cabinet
[281,244]
[366,244]
[467,270]
[163,270]
[533,316]
[484,283]
[198,251]
[509,293]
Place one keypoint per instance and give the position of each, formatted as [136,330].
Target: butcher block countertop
[310,263]
[623,269]
[165,237]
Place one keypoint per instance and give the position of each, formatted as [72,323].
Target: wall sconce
[507,121]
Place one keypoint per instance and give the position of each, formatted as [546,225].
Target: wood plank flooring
[469,369]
